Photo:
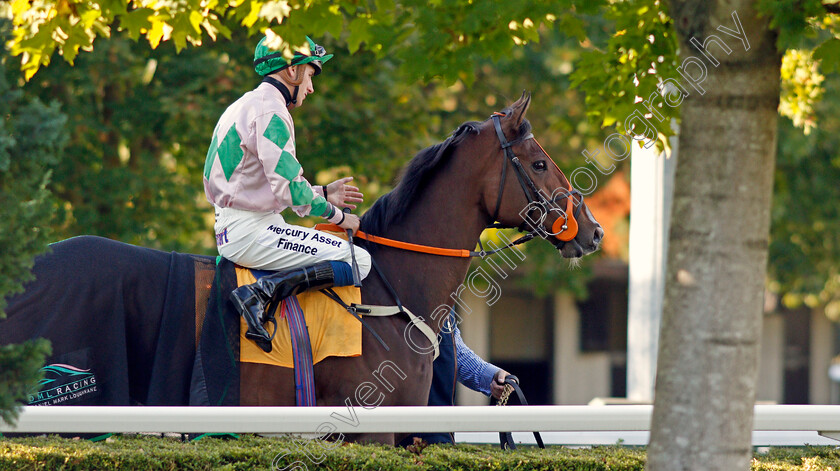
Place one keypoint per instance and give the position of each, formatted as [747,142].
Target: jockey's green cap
[267,61]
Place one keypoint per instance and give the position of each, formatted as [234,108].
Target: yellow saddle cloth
[332,330]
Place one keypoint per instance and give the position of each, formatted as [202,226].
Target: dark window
[603,327]
[797,355]
[603,316]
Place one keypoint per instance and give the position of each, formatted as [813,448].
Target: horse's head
[526,189]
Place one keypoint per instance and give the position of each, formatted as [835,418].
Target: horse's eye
[539,165]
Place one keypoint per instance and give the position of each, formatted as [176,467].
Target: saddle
[332,331]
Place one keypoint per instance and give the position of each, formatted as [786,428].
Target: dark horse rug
[129,326]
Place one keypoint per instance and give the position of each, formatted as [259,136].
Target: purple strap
[302,352]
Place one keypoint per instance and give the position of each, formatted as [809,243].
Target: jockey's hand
[342,195]
[497,386]
[351,221]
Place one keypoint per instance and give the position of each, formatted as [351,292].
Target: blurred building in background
[567,351]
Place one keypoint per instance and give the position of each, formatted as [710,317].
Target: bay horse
[485,172]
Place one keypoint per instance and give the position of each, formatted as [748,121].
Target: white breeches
[265,241]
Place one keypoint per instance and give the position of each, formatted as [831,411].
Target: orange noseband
[565,227]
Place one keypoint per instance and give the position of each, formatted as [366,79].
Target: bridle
[565,227]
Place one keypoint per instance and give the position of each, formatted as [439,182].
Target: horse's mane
[391,207]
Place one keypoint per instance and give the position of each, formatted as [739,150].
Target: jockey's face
[305,87]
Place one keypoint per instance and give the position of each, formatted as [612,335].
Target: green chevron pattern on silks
[319,205]
[302,195]
[230,153]
[278,133]
[289,168]
[211,156]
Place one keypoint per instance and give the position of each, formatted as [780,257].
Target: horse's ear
[517,111]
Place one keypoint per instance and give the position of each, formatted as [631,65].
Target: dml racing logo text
[62,384]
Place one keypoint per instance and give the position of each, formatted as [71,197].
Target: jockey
[252,174]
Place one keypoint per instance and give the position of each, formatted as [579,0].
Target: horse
[448,194]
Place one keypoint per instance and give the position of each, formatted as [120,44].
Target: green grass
[250,452]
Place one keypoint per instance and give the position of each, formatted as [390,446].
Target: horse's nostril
[599,234]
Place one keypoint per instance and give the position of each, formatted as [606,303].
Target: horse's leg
[266,385]
[398,377]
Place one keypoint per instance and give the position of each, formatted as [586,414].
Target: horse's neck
[447,215]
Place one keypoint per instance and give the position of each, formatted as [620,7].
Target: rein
[512,385]
[460,253]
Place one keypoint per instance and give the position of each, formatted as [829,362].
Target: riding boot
[252,301]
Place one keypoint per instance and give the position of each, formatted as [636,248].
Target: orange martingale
[395,243]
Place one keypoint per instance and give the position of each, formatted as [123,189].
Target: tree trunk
[711,322]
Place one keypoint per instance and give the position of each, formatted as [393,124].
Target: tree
[31,136]
[448,36]
[724,91]
[711,321]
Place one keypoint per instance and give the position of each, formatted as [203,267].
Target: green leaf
[183,26]
[136,21]
[334,22]
[385,5]
[77,37]
[573,26]
[113,7]
[359,33]
[828,53]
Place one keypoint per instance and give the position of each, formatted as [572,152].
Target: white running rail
[73,419]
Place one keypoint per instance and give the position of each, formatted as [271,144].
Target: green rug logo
[62,384]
